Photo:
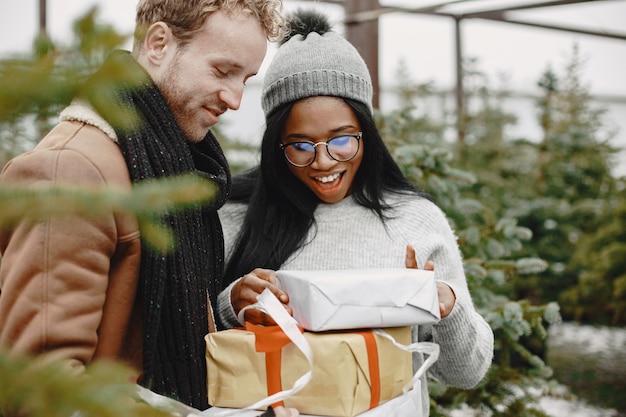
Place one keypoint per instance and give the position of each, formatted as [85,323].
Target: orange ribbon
[271,340]
[372,361]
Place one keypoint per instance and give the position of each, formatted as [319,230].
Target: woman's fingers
[411,262]
[409,258]
[447,298]
[247,289]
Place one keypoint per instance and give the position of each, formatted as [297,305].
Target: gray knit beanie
[313,61]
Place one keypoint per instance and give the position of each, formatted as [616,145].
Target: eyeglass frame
[358,136]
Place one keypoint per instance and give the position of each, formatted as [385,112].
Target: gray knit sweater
[349,236]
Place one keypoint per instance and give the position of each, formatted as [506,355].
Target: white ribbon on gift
[166,404]
[267,302]
[409,404]
[428,348]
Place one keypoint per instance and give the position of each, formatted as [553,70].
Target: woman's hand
[411,262]
[444,292]
[246,290]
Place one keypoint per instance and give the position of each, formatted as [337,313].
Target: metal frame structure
[361,20]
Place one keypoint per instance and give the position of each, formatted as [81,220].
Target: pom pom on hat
[314,61]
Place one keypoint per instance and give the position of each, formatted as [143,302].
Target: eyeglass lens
[340,148]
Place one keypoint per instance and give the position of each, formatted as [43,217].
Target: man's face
[206,77]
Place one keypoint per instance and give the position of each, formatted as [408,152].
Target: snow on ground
[555,407]
[559,407]
[602,342]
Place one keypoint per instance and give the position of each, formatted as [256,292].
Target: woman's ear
[157,43]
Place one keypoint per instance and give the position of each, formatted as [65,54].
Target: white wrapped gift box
[361,298]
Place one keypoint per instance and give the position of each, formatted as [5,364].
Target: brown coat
[68,285]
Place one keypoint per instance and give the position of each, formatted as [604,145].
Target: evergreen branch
[147,200]
[39,388]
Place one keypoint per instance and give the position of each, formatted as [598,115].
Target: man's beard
[176,100]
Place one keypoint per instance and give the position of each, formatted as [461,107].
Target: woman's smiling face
[317,119]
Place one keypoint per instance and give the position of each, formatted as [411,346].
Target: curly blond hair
[185,17]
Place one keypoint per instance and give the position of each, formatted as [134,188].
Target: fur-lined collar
[82,111]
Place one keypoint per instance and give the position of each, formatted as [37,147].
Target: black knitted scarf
[173,286]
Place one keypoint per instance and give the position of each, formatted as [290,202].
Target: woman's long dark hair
[280,208]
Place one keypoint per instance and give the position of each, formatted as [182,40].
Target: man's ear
[159,39]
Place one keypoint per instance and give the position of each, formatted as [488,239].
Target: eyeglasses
[341,148]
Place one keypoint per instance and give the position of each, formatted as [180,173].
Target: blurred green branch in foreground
[148,200]
[36,388]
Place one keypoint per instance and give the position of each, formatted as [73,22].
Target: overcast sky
[424,43]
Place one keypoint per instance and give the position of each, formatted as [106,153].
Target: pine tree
[490,244]
[574,187]
[599,262]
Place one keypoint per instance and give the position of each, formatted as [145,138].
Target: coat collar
[82,111]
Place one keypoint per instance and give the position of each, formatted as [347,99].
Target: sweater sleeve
[465,338]
[466,343]
[225,310]
[231,217]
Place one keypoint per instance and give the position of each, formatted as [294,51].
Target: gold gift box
[341,384]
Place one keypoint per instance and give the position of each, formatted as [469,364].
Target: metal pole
[41,122]
[42,17]
[460,95]
[364,36]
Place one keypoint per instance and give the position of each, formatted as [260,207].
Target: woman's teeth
[328,178]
